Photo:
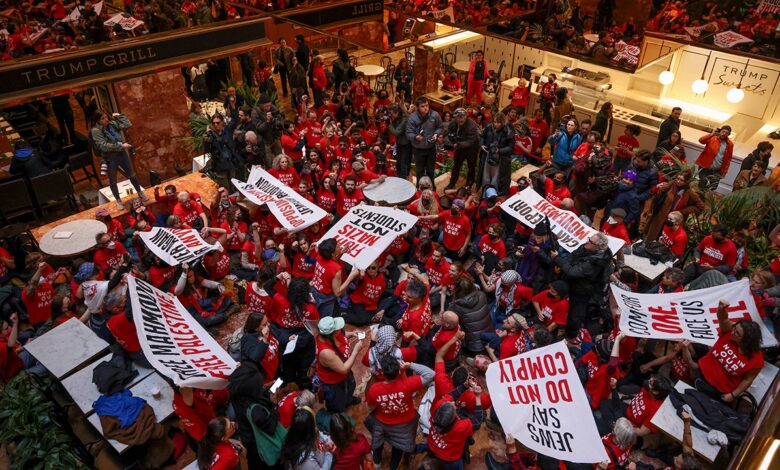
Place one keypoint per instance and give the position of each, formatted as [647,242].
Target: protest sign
[530,208]
[174,342]
[366,231]
[175,246]
[691,315]
[696,31]
[76,13]
[768,6]
[127,23]
[729,39]
[292,210]
[539,399]
[447,14]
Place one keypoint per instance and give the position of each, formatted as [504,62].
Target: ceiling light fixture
[700,86]
[737,94]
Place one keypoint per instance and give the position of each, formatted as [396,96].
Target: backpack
[269,447]
[655,251]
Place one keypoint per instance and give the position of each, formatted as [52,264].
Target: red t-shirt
[115,230]
[717,254]
[441,338]
[456,229]
[302,266]
[522,294]
[324,272]
[555,195]
[10,363]
[538,130]
[642,409]
[188,216]
[598,379]
[160,275]
[620,454]
[625,146]
[449,447]
[724,366]
[38,302]
[345,202]
[394,400]
[676,240]
[288,177]
[289,142]
[617,230]
[249,248]
[369,291]
[497,248]
[553,311]
[225,457]
[283,315]
[326,375]
[522,141]
[256,301]
[514,344]
[217,264]
[443,385]
[125,333]
[519,97]
[235,239]
[436,272]
[326,199]
[418,321]
[194,419]
[351,457]
[286,408]
[105,258]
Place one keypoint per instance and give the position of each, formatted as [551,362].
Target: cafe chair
[82,161]
[180,171]
[154,178]
[385,61]
[52,189]
[410,58]
[16,200]
[353,61]
[385,80]
[448,60]
[85,204]
[497,75]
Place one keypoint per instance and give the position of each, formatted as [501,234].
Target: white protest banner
[729,39]
[292,210]
[539,399]
[691,315]
[366,231]
[127,23]
[768,6]
[448,14]
[175,246]
[530,208]
[76,13]
[695,31]
[174,342]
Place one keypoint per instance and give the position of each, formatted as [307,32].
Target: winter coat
[431,126]
[474,318]
[565,146]
[104,143]
[690,203]
[646,179]
[628,201]
[467,137]
[587,272]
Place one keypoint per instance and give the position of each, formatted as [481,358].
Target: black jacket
[667,127]
[221,148]
[587,272]
[466,136]
[474,318]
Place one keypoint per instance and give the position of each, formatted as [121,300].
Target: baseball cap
[628,174]
[491,192]
[618,212]
[329,325]
[102,212]
[460,112]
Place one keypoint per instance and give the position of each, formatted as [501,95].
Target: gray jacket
[102,138]
[430,127]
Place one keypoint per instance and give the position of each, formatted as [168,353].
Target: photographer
[463,135]
[218,143]
[498,141]
[109,143]
[270,127]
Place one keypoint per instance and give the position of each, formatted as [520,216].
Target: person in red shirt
[358,92]
[734,361]
[519,96]
[437,266]
[335,358]
[364,300]
[351,447]
[539,131]
[348,196]
[114,227]
[524,144]
[292,144]
[450,328]
[627,144]
[10,362]
[511,295]
[552,306]
[602,367]
[109,254]
[260,346]
[555,189]
[451,83]
[488,211]
[38,296]
[190,212]
[217,451]
[284,171]
[619,443]
[642,407]
[319,80]
[7,265]
[394,411]
[456,228]
[673,280]
[491,244]
[195,408]
[326,282]
[123,329]
[673,234]
[715,251]
[449,433]
[614,226]
[416,321]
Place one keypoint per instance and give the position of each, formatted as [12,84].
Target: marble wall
[427,71]
[156,105]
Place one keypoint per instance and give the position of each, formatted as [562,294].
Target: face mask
[718,240]
[550,295]
[557,183]
[426,201]
[623,187]
[493,236]
[111,245]
[669,223]
[611,221]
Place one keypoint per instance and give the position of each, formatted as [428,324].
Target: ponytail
[215,430]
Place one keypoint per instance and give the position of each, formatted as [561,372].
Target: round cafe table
[392,191]
[370,71]
[71,238]
[462,66]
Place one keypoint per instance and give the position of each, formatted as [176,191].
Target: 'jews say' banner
[366,231]
[539,399]
[691,315]
[530,209]
[292,210]
[174,342]
[175,246]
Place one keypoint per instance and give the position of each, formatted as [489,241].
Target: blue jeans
[116,161]
[326,304]
[497,314]
[490,339]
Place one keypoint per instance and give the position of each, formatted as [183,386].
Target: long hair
[751,337]
[341,431]
[445,418]
[432,209]
[298,295]
[301,440]
[215,430]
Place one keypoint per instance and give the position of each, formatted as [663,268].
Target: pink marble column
[157,107]
[427,64]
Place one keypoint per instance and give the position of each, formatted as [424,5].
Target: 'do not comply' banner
[366,231]
[174,342]
[292,210]
[539,400]
[691,315]
[175,246]
[530,209]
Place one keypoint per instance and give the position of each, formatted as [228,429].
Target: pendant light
[737,94]
[667,76]
[700,86]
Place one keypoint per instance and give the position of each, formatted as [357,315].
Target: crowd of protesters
[466,286]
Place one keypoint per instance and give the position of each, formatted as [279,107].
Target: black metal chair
[353,61]
[448,60]
[501,66]
[385,80]
[52,189]
[410,58]
[385,61]
[180,170]
[16,200]
[82,161]
[154,178]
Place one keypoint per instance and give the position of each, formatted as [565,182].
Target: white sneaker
[119,205]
